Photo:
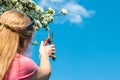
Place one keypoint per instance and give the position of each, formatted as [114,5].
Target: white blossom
[24,1]
[37,23]
[50,18]
[64,11]
[50,10]
[14,1]
[38,8]
[44,22]
[42,18]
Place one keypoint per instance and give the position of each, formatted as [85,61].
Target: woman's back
[22,68]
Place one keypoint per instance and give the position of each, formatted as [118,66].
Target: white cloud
[75,18]
[50,3]
[56,0]
[76,12]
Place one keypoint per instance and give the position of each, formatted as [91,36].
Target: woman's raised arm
[44,70]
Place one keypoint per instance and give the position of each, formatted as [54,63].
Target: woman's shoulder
[24,61]
[27,66]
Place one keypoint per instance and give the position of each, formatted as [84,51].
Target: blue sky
[87,40]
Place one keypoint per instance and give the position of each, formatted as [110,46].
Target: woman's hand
[46,50]
[44,70]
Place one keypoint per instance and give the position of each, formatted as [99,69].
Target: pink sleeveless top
[22,68]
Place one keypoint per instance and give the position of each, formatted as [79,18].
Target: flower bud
[35,43]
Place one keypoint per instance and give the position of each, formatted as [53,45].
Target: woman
[16,31]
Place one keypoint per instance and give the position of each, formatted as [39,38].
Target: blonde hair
[14,37]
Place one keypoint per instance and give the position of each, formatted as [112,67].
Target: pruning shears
[49,41]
